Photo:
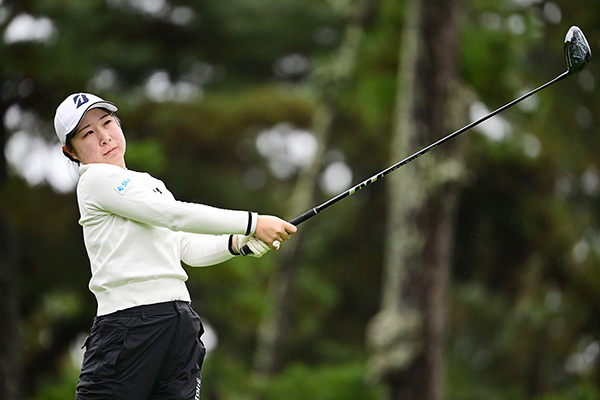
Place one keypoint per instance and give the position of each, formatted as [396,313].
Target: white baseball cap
[71,111]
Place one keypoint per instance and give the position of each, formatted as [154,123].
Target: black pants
[145,352]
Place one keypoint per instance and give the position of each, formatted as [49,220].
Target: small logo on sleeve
[121,188]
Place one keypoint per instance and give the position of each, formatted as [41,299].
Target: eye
[85,134]
[108,121]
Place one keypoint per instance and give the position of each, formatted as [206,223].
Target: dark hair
[68,138]
[69,146]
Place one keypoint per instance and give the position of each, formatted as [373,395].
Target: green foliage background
[525,307]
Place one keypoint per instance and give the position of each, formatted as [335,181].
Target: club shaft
[316,210]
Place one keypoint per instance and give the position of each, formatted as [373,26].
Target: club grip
[301,218]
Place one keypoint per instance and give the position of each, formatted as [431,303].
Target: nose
[105,138]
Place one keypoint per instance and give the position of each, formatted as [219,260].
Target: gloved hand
[257,247]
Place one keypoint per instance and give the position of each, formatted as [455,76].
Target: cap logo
[80,100]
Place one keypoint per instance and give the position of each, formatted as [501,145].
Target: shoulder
[106,176]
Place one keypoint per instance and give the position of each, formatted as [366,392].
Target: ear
[70,153]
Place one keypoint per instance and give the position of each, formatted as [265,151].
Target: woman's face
[98,139]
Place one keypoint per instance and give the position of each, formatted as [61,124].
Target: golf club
[577,53]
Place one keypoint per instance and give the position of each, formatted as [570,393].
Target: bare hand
[272,229]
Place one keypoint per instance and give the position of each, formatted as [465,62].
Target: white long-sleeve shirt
[136,235]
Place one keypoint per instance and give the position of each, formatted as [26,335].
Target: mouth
[110,151]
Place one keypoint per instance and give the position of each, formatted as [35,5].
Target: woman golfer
[145,340]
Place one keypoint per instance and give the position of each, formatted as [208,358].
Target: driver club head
[577,50]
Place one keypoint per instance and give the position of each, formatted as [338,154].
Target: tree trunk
[407,336]
[271,331]
[267,357]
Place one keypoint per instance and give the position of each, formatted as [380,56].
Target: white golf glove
[257,246]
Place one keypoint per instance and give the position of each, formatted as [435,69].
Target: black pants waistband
[148,309]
